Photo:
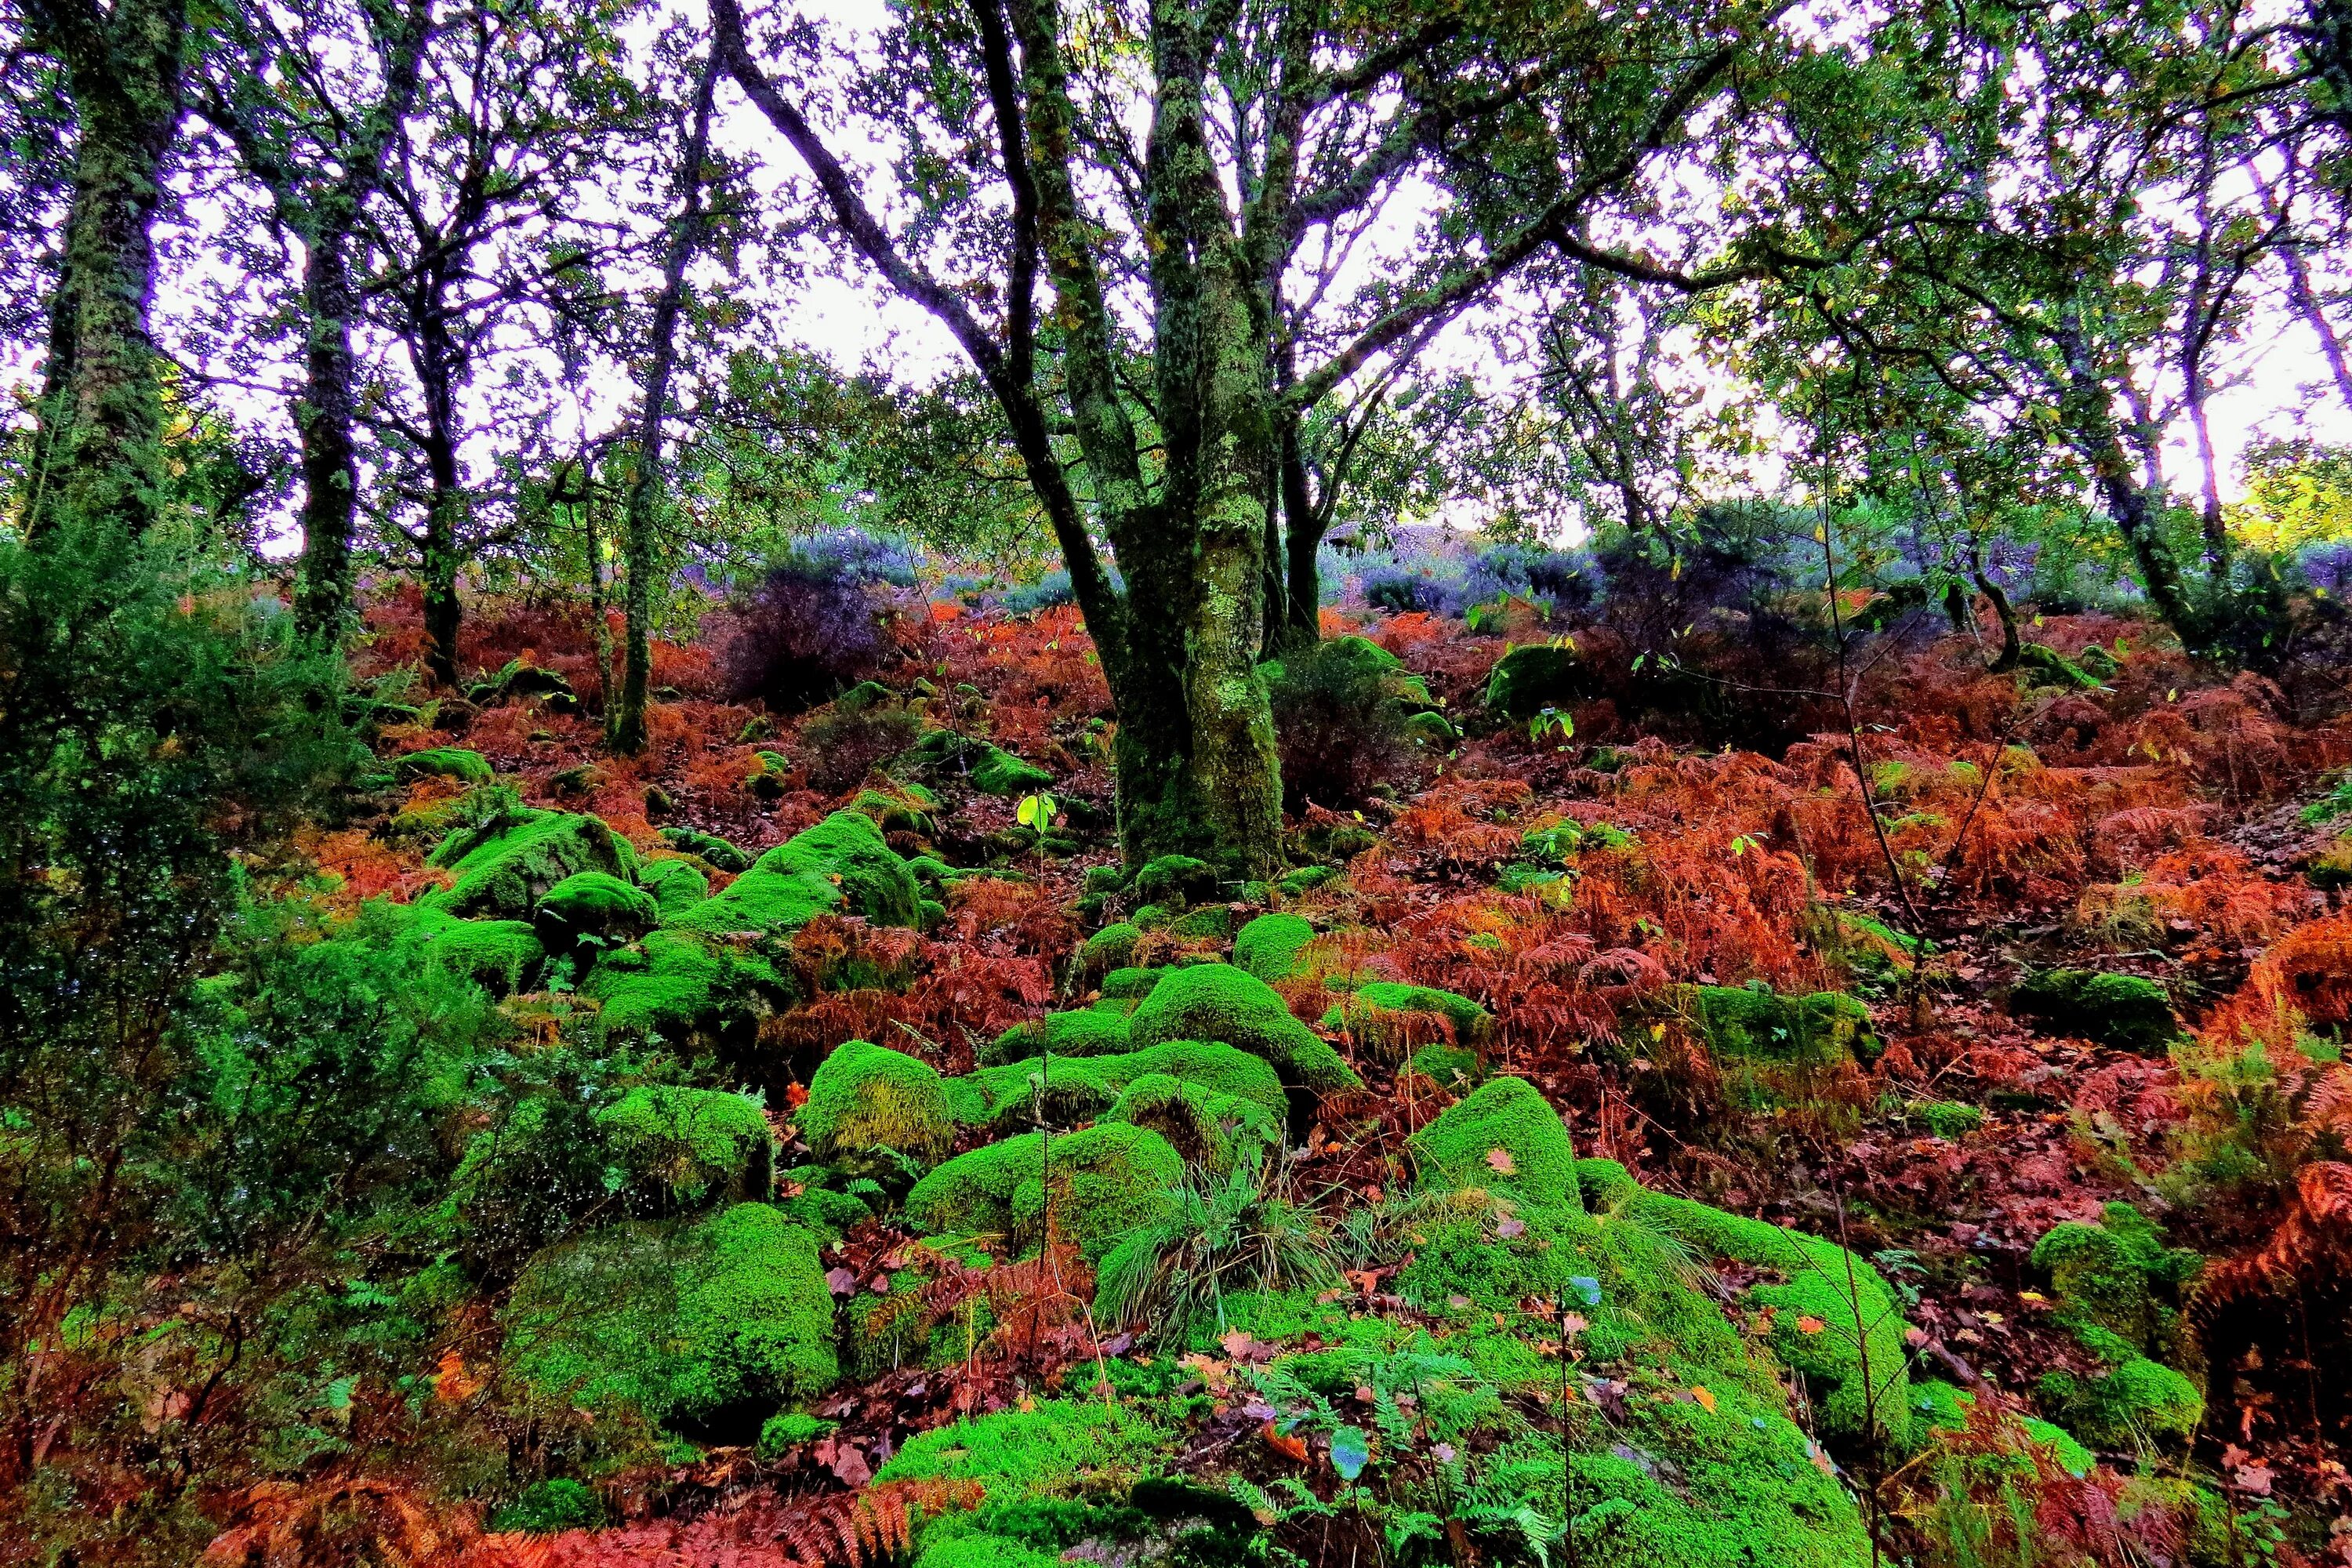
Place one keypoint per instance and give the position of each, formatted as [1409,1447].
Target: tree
[99,449]
[625,724]
[1150,400]
[314,134]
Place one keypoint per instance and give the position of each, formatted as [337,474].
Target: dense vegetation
[1205,936]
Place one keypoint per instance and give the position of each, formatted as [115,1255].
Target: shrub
[811,631]
[839,750]
[1339,725]
[546,1507]
[1401,591]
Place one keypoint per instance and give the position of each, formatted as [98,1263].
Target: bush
[839,750]
[811,631]
[1339,726]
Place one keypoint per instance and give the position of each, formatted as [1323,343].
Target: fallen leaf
[1809,1324]
[1500,1159]
[1286,1444]
[1706,1400]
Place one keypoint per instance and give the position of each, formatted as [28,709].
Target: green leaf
[1351,1452]
[1035,812]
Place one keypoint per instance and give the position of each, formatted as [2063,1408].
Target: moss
[1107,1181]
[730,1315]
[593,903]
[1503,1136]
[1432,729]
[544,1508]
[1056,1449]
[1218,1002]
[1113,947]
[2121,1010]
[1223,1069]
[906,808]
[869,1108]
[1085,1032]
[708,846]
[1844,1301]
[2130,1401]
[676,884]
[981,1549]
[1306,879]
[1176,878]
[1212,1130]
[676,985]
[2117,1276]
[443,762]
[2042,665]
[1822,1029]
[687,1147]
[1215,921]
[1127,987]
[1389,1018]
[842,863]
[506,865]
[500,956]
[1453,1069]
[996,771]
[1946,1118]
[1527,680]
[1268,946]
[1939,1406]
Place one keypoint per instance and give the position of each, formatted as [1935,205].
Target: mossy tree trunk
[1172,445]
[98,453]
[626,727]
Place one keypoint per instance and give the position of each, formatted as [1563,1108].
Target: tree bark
[99,451]
[626,727]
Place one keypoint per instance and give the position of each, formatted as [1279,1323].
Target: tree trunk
[322,602]
[627,728]
[1303,526]
[99,454]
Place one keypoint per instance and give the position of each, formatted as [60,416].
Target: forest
[1218,784]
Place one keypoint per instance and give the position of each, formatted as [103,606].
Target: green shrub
[1218,1002]
[546,1507]
[871,1109]
[2121,1010]
[1503,1136]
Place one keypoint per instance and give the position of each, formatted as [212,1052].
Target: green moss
[1390,1019]
[1113,947]
[1106,1180]
[1753,1021]
[980,1549]
[1126,987]
[500,956]
[2042,665]
[1268,947]
[1432,729]
[1055,1449]
[687,1147]
[1176,878]
[2130,1401]
[1946,1118]
[996,771]
[733,1314]
[1218,1002]
[676,885]
[869,1108]
[676,985]
[842,863]
[1212,1130]
[1453,1069]
[503,867]
[709,846]
[2121,1010]
[544,1508]
[1503,1136]
[1940,1407]
[2117,1276]
[593,903]
[1855,1355]
[1527,680]
[1306,879]
[444,762]
[906,808]
[1085,1032]
[1210,920]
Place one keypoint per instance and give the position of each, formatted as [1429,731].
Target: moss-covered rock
[706,847]
[1526,680]
[503,867]
[1113,947]
[841,864]
[1051,1450]
[2042,664]
[1825,1029]
[2118,1275]
[1104,1181]
[501,956]
[676,884]
[1389,1019]
[1431,729]
[678,984]
[1937,1406]
[593,903]
[1176,879]
[1086,1032]
[716,1324]
[1218,1002]
[443,762]
[1503,1136]
[1124,989]
[2121,1010]
[998,772]
[901,808]
[686,1148]
[869,1109]
[2130,1401]
[1453,1069]
[1268,947]
[1207,1129]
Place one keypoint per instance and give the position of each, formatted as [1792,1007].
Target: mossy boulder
[1218,1002]
[1823,1028]
[871,1109]
[443,762]
[502,867]
[687,1148]
[1269,946]
[676,984]
[1049,1449]
[998,772]
[1104,1181]
[2125,1011]
[597,904]
[2118,1275]
[903,808]
[2042,664]
[1124,989]
[2129,1400]
[1937,1406]
[841,865]
[1069,1089]
[708,847]
[677,884]
[1431,729]
[1086,1032]
[1113,947]
[1504,1136]
[1526,680]
[711,1326]
[1176,879]
[501,956]
[1390,1019]
[1207,1129]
